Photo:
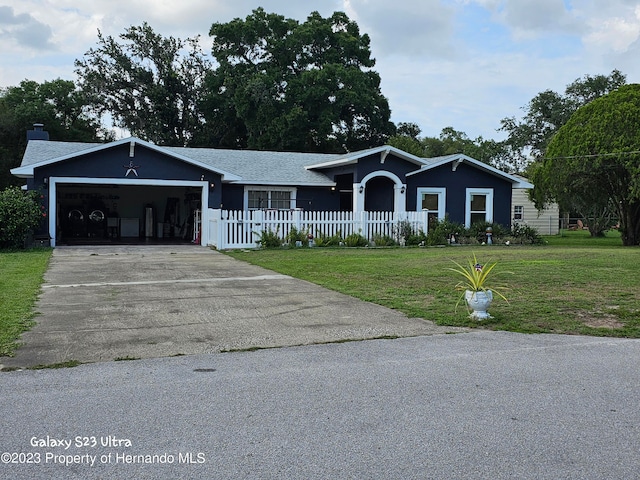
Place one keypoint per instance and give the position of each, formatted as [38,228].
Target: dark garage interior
[125,214]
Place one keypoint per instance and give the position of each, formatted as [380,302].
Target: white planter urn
[478,303]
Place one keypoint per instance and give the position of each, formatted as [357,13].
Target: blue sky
[460,63]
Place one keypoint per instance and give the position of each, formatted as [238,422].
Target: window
[479,206]
[433,201]
[279,199]
[518,212]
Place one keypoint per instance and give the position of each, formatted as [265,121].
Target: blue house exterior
[133,189]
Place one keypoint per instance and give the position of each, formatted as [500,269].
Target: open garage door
[95,211]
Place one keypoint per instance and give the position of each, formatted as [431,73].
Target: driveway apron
[105,303]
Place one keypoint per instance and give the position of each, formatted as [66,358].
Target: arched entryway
[380,191]
[379,196]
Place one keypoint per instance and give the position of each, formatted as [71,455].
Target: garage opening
[126,214]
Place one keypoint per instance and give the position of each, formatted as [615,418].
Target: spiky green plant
[475,277]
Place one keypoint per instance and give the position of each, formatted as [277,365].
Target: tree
[57,104]
[285,85]
[548,111]
[593,161]
[151,85]
[450,142]
[407,139]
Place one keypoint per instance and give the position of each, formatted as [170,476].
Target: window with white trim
[518,212]
[270,198]
[432,200]
[479,206]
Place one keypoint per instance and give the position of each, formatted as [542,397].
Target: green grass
[571,285]
[21,274]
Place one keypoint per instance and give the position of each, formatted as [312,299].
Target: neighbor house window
[518,212]
[272,198]
[432,200]
[479,206]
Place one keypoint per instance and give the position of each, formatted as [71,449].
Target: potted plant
[476,287]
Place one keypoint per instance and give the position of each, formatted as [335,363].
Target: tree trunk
[630,225]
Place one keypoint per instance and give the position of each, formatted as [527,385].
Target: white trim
[457,159]
[442,199]
[269,188]
[54,181]
[27,170]
[399,198]
[489,206]
[353,157]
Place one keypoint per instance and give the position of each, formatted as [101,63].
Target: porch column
[358,197]
[400,198]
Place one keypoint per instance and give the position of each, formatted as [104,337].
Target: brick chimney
[38,132]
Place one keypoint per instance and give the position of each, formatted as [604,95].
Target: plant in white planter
[477,288]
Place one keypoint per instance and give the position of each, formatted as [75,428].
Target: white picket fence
[230,229]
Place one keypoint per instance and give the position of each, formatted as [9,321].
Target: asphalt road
[479,405]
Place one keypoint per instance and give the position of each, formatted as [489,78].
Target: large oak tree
[285,85]
[149,84]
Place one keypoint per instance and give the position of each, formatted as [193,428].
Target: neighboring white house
[546,222]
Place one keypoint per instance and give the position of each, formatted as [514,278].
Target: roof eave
[284,184]
[28,170]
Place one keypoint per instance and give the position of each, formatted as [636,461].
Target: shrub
[20,214]
[525,234]
[269,239]
[296,235]
[419,238]
[356,240]
[440,232]
[384,241]
[322,240]
[479,231]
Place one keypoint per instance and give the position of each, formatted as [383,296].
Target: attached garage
[128,191]
[124,212]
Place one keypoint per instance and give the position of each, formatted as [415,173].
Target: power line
[594,155]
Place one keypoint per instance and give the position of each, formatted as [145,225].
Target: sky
[465,64]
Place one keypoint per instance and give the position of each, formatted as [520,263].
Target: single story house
[131,188]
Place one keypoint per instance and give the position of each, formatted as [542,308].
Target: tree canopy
[593,161]
[149,84]
[451,141]
[57,104]
[285,85]
[548,111]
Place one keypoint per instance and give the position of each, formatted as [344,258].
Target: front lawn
[580,287]
[21,275]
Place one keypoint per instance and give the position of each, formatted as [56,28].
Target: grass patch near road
[21,274]
[589,288]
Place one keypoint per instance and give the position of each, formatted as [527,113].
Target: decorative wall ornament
[131,168]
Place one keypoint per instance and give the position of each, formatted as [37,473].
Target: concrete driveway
[102,303]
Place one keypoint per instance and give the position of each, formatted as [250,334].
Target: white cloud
[416,29]
[23,30]
[614,33]
[460,63]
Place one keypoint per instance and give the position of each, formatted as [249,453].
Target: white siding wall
[546,221]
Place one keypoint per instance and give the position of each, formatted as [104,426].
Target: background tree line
[273,83]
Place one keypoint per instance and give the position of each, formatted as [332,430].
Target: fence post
[216,228]
[363,225]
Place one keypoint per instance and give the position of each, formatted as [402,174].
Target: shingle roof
[261,166]
[251,166]
[40,150]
